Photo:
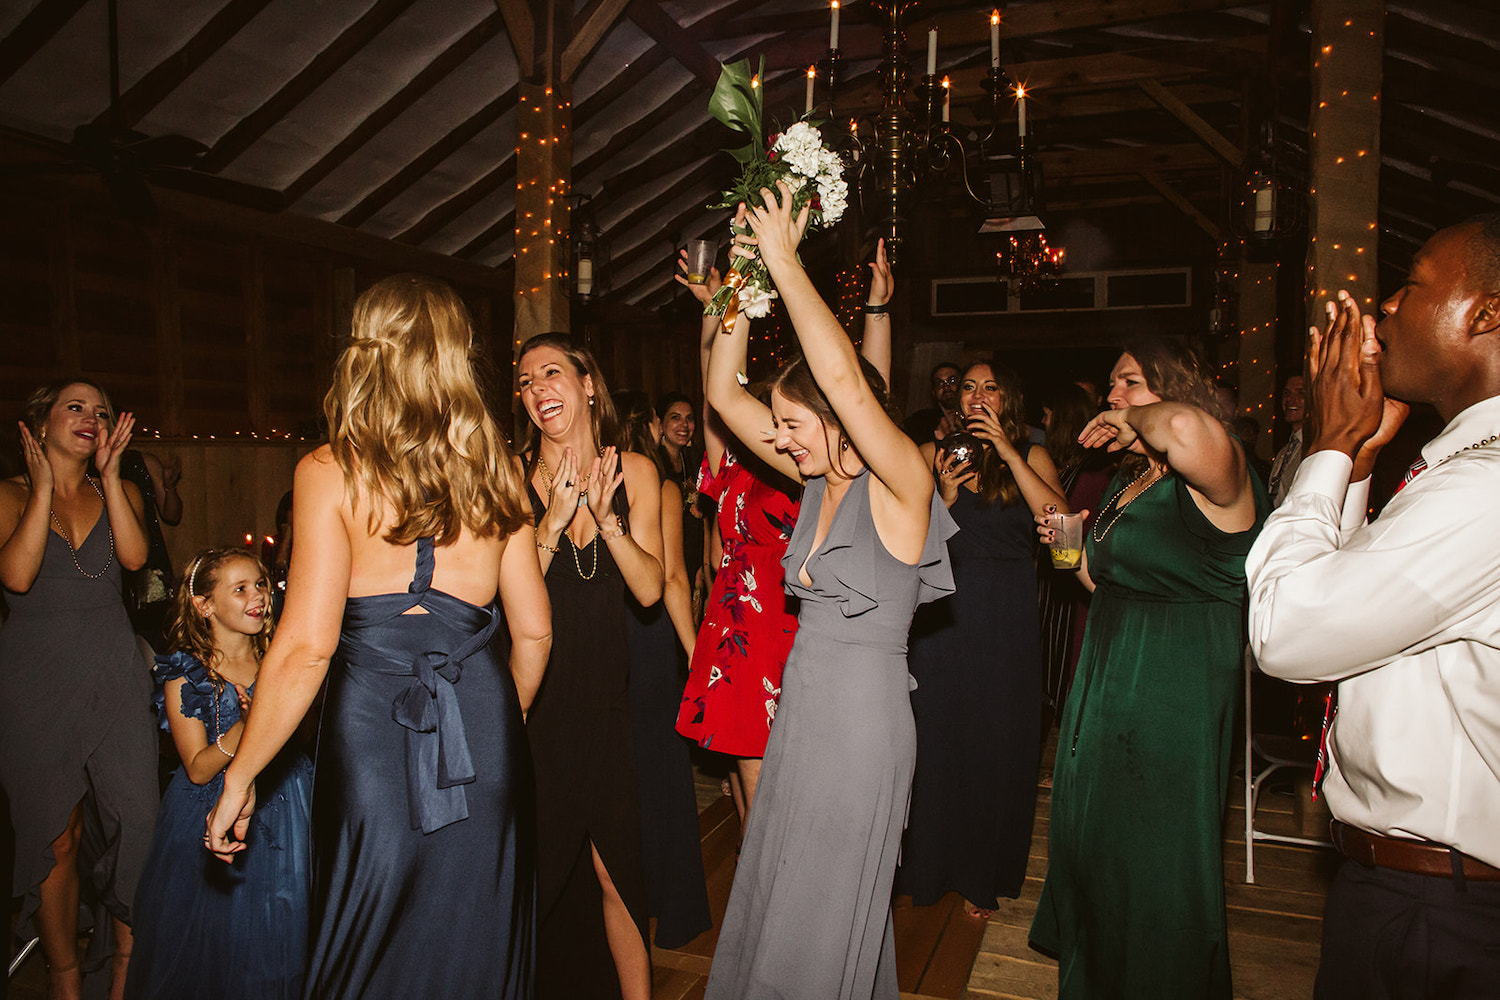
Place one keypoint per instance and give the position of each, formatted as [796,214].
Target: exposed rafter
[521,28]
[587,37]
[35,30]
[682,44]
[436,71]
[296,90]
[429,158]
[137,102]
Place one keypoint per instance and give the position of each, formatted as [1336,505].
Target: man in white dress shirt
[1404,613]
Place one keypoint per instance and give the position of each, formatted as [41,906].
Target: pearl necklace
[73,551]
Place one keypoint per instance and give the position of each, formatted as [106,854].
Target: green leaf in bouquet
[737,103]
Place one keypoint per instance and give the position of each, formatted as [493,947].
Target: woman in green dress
[1134,900]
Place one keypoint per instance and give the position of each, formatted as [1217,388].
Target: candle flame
[1021,90]
[834,4]
[994,15]
[946,84]
[812,72]
[755,80]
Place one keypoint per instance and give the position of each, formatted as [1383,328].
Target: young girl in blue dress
[203,928]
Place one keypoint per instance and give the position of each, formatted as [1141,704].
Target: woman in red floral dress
[734,680]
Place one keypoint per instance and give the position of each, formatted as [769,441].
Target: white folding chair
[1278,752]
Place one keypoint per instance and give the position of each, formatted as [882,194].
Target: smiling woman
[598,518]
[74,736]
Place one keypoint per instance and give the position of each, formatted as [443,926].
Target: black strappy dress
[423,829]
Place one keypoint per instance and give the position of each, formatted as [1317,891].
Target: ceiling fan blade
[167,151]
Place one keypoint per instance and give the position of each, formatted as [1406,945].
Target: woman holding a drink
[1134,900]
[976,657]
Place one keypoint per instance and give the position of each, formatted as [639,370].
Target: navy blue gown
[423,822]
[977,660]
[204,928]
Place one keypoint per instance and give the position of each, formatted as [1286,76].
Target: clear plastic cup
[700,260]
[1067,540]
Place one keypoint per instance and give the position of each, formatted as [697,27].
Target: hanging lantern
[1272,205]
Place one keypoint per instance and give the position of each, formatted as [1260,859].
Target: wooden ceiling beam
[701,141]
[505,224]
[429,158]
[1126,160]
[660,245]
[1047,79]
[691,181]
[151,89]
[587,38]
[628,79]
[1183,205]
[454,206]
[451,58]
[971,28]
[683,45]
[1177,108]
[296,90]
[520,27]
[35,30]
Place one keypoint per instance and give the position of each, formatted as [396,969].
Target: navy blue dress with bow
[422,805]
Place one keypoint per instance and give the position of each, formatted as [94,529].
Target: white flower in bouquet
[755,300]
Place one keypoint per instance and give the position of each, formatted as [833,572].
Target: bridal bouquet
[797,155]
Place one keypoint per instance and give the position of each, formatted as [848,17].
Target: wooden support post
[1257,321]
[1348,47]
[544,156]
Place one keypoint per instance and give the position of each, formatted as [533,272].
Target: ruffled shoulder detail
[197,694]
[934,570]
[713,482]
[847,554]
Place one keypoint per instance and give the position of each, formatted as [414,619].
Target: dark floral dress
[734,682]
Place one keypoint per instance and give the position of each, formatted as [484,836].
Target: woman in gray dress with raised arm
[809,915]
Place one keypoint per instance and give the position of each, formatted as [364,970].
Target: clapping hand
[1348,409]
[605,476]
[562,502]
[38,465]
[112,446]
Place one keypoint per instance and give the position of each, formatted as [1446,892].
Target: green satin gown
[1134,900]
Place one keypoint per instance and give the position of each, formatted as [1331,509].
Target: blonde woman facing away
[409,524]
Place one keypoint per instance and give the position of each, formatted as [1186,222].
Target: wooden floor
[1274,925]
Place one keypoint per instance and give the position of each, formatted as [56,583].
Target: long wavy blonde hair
[408,425]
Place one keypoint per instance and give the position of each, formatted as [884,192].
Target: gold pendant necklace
[582,499]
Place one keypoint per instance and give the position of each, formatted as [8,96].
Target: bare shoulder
[318,468]
[638,469]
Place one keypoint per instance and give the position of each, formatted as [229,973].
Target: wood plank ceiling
[397,117]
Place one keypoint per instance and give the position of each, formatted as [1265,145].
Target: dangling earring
[844,445]
[591,400]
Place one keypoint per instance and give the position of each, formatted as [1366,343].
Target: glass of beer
[700,260]
[1067,540]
